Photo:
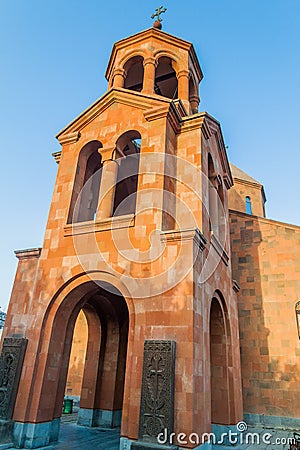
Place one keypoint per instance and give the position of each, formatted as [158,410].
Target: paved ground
[77,438]
[74,437]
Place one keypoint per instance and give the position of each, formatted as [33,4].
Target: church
[158,253]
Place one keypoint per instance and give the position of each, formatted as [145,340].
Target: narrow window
[297,308]
[127,155]
[86,187]
[248,205]
[212,197]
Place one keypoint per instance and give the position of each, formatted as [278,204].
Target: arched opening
[103,376]
[127,154]
[86,187]
[248,205]
[166,83]
[134,70]
[212,197]
[219,362]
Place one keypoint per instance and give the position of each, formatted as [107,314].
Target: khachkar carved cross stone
[157,397]
[11,361]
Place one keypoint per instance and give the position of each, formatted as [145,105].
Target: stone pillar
[213,208]
[183,88]
[149,76]
[107,187]
[194,102]
[119,78]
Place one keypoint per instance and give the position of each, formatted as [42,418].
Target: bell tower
[155,63]
[137,239]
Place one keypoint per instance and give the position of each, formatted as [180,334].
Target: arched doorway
[222,405]
[107,317]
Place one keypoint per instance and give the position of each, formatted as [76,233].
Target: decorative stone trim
[180,107]
[57,156]
[150,60]
[185,235]
[69,138]
[219,249]
[169,111]
[114,95]
[119,71]
[227,181]
[29,253]
[183,73]
[194,122]
[156,113]
[111,223]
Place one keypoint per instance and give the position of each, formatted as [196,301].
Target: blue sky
[53,59]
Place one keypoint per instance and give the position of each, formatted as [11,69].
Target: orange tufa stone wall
[136,276]
[266,264]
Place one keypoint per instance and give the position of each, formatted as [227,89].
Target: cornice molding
[188,234]
[69,138]
[252,184]
[166,111]
[111,223]
[57,156]
[248,183]
[252,217]
[215,130]
[156,113]
[30,253]
[194,122]
[114,95]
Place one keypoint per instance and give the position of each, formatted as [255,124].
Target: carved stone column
[194,102]
[149,75]
[107,186]
[119,78]
[183,87]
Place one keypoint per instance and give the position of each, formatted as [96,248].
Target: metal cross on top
[159,11]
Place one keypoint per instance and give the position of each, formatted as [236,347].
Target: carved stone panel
[157,397]
[11,361]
